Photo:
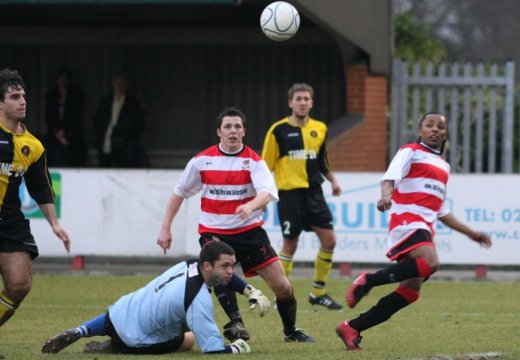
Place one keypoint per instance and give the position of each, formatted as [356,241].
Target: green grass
[452,320]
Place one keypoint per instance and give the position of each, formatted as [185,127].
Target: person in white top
[235,185]
[413,190]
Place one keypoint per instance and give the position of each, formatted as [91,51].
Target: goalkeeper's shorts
[119,346]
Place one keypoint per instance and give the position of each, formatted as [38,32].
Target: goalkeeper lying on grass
[170,313]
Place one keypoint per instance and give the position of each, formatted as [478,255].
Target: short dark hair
[10,79]
[231,111]
[428,114]
[300,87]
[211,251]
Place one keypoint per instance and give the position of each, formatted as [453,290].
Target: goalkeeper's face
[220,272]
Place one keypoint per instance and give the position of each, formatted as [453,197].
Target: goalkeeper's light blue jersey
[155,313]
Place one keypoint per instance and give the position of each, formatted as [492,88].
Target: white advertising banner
[113,213]
[119,213]
[484,202]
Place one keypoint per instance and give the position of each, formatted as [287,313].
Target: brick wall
[363,147]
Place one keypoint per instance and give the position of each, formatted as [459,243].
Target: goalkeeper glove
[239,346]
[257,298]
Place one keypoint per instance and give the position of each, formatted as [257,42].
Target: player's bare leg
[274,276]
[16,270]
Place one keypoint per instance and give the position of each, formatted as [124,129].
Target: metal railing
[478,101]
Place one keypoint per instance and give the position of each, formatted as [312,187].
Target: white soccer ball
[280,21]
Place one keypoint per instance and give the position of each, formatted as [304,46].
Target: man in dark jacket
[118,126]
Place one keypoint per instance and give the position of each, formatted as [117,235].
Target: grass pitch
[467,320]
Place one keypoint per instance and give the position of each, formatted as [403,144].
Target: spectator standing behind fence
[64,117]
[118,127]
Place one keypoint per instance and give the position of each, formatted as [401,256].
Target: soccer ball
[280,21]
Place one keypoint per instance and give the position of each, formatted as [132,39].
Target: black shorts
[253,249]
[118,345]
[418,238]
[299,209]
[16,236]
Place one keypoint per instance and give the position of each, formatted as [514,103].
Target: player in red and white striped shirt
[227,181]
[235,185]
[413,189]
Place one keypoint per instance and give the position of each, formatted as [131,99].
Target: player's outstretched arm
[164,240]
[385,202]
[239,347]
[257,299]
[49,211]
[336,187]
[255,296]
[478,236]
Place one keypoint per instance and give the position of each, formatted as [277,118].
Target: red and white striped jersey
[226,181]
[420,177]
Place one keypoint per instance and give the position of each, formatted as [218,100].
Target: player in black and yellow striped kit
[21,156]
[295,149]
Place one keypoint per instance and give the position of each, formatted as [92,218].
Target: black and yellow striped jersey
[22,155]
[297,154]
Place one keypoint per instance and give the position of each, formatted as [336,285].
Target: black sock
[382,311]
[407,269]
[228,300]
[287,311]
